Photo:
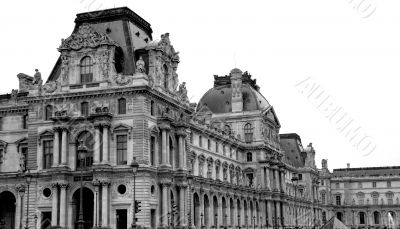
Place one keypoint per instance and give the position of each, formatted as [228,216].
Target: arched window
[362,218]
[377,216]
[122,106]
[248,133]
[86,70]
[323,197]
[87,139]
[323,217]
[85,109]
[249,157]
[48,112]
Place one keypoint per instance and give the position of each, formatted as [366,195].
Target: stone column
[96,156]
[54,205]
[106,156]
[63,205]
[104,203]
[165,188]
[181,149]
[276,171]
[278,213]
[268,178]
[182,210]
[220,214]
[262,177]
[56,147]
[19,207]
[164,147]
[64,145]
[97,200]
[283,181]
[269,212]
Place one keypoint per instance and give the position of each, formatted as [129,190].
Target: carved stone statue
[37,78]
[182,93]
[140,66]
[14,94]
[104,63]
[64,68]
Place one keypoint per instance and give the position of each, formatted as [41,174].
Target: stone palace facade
[115,91]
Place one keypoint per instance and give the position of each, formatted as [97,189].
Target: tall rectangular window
[122,106]
[24,151]
[300,176]
[209,144]
[122,149]
[323,198]
[200,141]
[389,184]
[374,184]
[47,154]
[85,109]
[1,156]
[152,150]
[338,200]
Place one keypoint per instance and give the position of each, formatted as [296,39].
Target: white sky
[354,58]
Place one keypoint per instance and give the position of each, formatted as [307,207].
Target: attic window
[222,92]
[108,30]
[137,34]
[146,40]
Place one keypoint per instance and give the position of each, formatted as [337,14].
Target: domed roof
[219,98]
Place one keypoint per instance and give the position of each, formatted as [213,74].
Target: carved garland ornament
[85,37]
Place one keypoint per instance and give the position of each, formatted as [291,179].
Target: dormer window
[86,70]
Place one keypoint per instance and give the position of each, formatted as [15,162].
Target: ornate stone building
[364,197]
[114,92]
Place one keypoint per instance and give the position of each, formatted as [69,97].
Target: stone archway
[196,208]
[7,209]
[87,205]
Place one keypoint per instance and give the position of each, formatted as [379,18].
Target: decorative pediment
[121,128]
[85,37]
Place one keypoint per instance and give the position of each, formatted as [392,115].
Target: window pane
[121,149]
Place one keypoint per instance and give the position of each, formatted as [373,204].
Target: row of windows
[360,184]
[88,141]
[85,109]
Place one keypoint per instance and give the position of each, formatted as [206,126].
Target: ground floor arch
[87,205]
[7,209]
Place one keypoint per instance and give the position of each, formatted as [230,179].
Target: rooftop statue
[37,78]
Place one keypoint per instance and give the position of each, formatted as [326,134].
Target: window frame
[84,108]
[87,68]
[47,154]
[122,153]
[121,107]
[248,133]
[249,157]
[48,112]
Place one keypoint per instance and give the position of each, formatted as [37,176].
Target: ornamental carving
[85,37]
[64,68]
[122,80]
[50,87]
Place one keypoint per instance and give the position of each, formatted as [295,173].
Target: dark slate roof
[367,171]
[120,13]
[291,148]
[219,98]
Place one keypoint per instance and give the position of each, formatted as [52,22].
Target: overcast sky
[346,51]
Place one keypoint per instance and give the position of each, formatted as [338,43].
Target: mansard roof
[367,171]
[291,145]
[115,14]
